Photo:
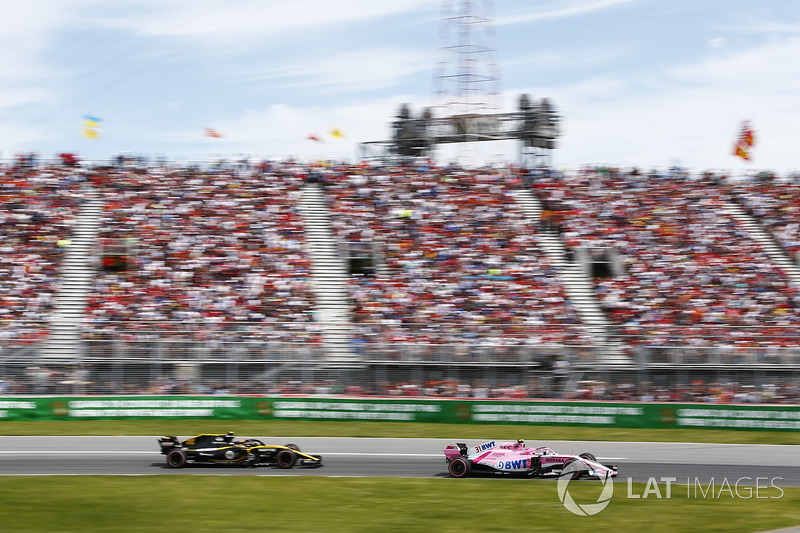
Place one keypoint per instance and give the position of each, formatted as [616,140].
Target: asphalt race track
[420,458]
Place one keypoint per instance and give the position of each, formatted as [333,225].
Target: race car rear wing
[168,444]
[453,451]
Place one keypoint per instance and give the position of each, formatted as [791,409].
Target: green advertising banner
[776,417]
[111,407]
[576,413]
[401,410]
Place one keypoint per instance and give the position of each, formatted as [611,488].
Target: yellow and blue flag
[91,127]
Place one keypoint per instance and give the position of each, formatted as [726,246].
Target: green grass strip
[391,429]
[312,504]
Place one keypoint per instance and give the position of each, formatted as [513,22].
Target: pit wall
[477,411]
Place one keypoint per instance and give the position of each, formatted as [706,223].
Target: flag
[337,133]
[91,127]
[211,132]
[745,141]
[314,137]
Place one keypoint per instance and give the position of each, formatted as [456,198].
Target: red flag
[314,138]
[211,132]
[745,142]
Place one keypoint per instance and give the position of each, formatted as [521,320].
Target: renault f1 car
[516,458]
[227,450]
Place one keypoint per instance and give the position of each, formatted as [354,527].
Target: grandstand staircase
[763,237]
[63,343]
[329,277]
[577,286]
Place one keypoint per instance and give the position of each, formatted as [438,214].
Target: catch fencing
[259,358]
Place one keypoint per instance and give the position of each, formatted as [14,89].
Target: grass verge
[311,504]
[391,429]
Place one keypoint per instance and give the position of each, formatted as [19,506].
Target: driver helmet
[520,443]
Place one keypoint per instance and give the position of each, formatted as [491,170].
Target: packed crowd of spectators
[686,261]
[775,203]
[460,262]
[38,207]
[206,247]
[218,253]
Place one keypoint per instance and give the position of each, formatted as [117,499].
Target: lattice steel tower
[466,79]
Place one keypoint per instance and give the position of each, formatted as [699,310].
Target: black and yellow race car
[226,449]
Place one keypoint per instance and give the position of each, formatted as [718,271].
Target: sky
[645,83]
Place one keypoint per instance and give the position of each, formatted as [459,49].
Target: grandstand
[149,277]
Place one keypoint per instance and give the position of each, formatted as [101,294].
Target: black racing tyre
[577,473]
[286,458]
[294,447]
[176,459]
[588,456]
[459,467]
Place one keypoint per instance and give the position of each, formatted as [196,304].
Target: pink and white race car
[516,458]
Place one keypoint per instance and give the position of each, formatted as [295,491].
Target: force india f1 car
[515,457]
[227,450]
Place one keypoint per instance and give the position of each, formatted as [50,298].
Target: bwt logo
[516,464]
[574,469]
[483,447]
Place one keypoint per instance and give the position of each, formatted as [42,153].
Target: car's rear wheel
[294,447]
[588,457]
[176,459]
[459,467]
[576,471]
[286,458]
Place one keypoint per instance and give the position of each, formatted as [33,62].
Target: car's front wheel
[176,459]
[286,458]
[576,471]
[588,456]
[459,467]
[294,447]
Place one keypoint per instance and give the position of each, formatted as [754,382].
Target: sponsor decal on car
[485,446]
[553,460]
[516,464]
